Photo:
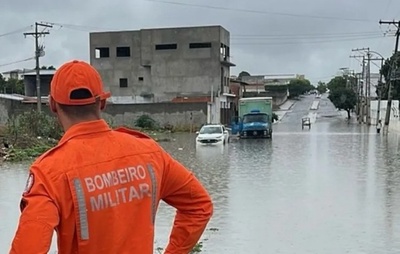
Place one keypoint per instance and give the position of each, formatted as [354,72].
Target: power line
[82,28]
[352,34]
[271,39]
[86,28]
[259,11]
[304,42]
[16,31]
[19,61]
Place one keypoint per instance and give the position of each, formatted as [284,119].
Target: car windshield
[211,130]
[262,118]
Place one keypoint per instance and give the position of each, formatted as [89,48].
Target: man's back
[106,186]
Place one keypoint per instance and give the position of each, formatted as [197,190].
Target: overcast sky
[311,37]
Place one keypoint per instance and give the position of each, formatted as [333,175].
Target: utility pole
[368,90]
[389,103]
[378,87]
[378,112]
[360,102]
[365,82]
[38,53]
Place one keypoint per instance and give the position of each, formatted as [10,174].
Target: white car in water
[212,134]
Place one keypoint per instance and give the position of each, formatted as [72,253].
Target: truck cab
[256,124]
[255,118]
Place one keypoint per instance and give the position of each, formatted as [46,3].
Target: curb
[292,105]
[289,108]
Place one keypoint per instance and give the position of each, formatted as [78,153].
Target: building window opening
[225,52]
[200,45]
[123,51]
[123,82]
[166,46]
[140,78]
[102,52]
[222,49]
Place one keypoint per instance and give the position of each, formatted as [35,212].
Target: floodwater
[332,189]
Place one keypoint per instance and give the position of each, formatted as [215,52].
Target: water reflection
[211,165]
[390,176]
[12,182]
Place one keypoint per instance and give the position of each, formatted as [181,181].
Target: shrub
[25,128]
[146,122]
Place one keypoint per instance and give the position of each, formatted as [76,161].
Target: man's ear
[103,104]
[52,105]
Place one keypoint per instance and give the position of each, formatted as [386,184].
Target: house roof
[42,72]
[233,80]
[12,71]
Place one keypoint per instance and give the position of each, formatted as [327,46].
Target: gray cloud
[284,43]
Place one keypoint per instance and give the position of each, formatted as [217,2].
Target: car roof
[212,125]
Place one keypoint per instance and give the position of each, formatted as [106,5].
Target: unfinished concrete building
[158,65]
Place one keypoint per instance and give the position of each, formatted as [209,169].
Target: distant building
[273,79]
[165,64]
[374,83]
[236,86]
[13,74]
[362,84]
[30,82]
[273,85]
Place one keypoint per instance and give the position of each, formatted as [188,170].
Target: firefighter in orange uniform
[100,188]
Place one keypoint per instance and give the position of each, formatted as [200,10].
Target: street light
[376,53]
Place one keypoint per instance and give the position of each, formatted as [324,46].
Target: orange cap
[77,75]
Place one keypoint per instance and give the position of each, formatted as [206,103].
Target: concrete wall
[394,124]
[278,98]
[180,115]
[161,75]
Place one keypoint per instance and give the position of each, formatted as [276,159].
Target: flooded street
[332,189]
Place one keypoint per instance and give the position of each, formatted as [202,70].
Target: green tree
[244,73]
[381,90]
[389,70]
[298,87]
[14,86]
[51,67]
[345,81]
[341,95]
[2,82]
[337,83]
[321,87]
[11,86]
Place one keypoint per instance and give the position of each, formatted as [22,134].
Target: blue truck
[254,118]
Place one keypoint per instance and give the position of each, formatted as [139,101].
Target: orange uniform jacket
[100,188]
